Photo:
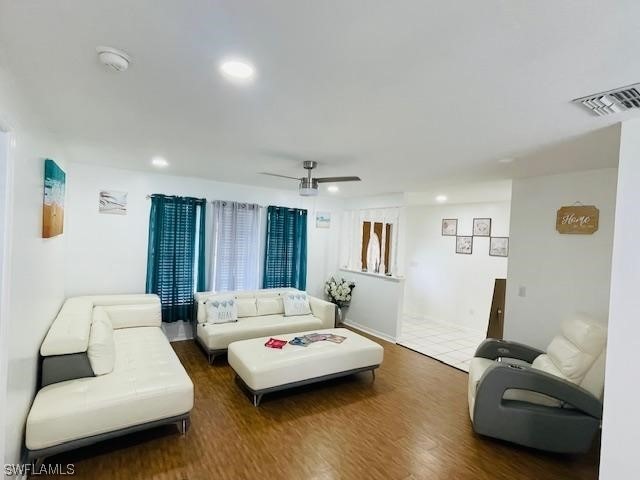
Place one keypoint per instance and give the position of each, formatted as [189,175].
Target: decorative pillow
[270,306]
[102,349]
[246,307]
[222,310]
[296,304]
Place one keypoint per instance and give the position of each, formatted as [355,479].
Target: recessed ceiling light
[237,70]
[159,162]
[441,198]
[333,188]
[505,160]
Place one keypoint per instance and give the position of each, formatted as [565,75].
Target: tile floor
[451,344]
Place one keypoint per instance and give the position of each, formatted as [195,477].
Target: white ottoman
[262,369]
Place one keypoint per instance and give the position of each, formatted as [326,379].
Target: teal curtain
[285,260]
[175,256]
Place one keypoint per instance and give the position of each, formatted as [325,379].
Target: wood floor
[412,423]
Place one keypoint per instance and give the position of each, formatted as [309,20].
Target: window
[235,246]
[376,247]
[369,240]
[285,263]
[175,258]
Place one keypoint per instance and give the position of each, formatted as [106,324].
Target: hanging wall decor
[577,219]
[481,227]
[464,245]
[499,247]
[112,202]
[323,219]
[449,227]
[53,204]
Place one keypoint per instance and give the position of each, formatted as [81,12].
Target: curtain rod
[148,197]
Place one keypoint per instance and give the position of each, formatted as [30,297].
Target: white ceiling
[405,94]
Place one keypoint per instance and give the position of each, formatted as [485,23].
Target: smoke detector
[115,59]
[612,101]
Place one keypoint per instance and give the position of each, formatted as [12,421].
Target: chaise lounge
[107,370]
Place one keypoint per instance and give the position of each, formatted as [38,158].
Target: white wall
[442,285]
[562,274]
[36,265]
[4,276]
[108,253]
[621,424]
[376,303]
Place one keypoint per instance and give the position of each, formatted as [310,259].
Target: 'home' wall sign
[578,219]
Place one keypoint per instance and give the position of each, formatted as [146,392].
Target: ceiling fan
[309,185]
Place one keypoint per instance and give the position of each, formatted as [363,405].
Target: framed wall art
[323,220]
[481,227]
[449,227]
[499,246]
[53,203]
[464,245]
[112,202]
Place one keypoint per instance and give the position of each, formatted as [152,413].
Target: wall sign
[578,219]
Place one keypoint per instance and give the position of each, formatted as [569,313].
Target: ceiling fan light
[308,192]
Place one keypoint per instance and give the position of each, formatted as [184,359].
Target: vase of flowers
[339,293]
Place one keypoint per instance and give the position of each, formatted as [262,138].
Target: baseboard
[368,330]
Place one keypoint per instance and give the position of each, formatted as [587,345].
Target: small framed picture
[323,220]
[449,227]
[481,227]
[112,202]
[464,245]
[499,246]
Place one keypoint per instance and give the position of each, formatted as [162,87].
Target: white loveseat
[266,317]
[107,370]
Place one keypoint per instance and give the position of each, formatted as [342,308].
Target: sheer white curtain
[235,246]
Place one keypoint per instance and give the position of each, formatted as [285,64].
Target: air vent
[613,101]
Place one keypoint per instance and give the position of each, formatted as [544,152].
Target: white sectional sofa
[107,370]
[265,316]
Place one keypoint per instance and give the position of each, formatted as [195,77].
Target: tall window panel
[235,246]
[175,258]
[285,263]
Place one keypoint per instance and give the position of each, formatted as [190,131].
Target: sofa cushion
[147,383]
[219,336]
[246,307]
[571,362]
[270,306]
[101,351]
[134,315]
[589,336]
[69,332]
[222,310]
[296,304]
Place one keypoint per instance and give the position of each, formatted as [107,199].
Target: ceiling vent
[613,101]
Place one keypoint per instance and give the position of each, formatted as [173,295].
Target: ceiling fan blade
[281,176]
[337,179]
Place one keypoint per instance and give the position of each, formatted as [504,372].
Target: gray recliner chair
[550,401]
